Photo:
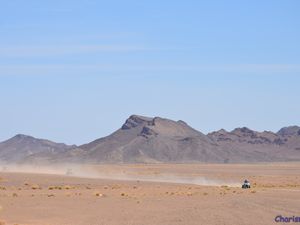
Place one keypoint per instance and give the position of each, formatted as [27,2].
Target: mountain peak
[135,120]
[243,130]
[139,117]
[222,131]
[22,137]
[288,131]
[182,122]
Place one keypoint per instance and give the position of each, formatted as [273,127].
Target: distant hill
[154,140]
[24,148]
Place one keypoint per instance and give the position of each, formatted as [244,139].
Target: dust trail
[87,171]
[170,178]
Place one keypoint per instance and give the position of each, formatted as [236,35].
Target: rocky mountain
[153,140]
[289,131]
[143,139]
[246,145]
[24,148]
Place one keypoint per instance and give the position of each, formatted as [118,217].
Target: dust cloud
[98,172]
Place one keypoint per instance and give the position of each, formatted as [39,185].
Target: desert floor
[150,194]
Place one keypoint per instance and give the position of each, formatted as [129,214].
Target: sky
[74,71]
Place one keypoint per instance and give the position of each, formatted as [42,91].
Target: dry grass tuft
[67,187]
[35,187]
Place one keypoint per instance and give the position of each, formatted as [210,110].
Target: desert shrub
[35,187]
[67,187]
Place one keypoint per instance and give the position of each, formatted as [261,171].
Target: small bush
[35,187]
[67,187]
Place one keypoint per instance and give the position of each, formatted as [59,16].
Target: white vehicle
[246,184]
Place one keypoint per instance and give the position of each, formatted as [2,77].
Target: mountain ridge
[154,140]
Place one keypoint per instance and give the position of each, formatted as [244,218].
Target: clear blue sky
[73,71]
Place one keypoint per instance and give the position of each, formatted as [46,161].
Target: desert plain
[152,194]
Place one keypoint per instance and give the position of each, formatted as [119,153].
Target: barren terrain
[149,194]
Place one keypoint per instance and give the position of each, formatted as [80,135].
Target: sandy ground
[191,194]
